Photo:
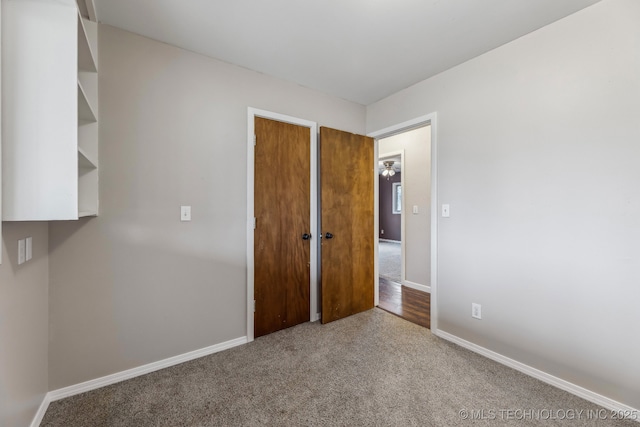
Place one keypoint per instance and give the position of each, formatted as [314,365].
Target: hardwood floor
[408,303]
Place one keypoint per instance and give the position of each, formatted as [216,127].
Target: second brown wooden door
[282,211]
[346,186]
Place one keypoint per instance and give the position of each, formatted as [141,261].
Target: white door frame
[402,213]
[429,119]
[252,113]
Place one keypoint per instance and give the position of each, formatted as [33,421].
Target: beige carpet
[370,369]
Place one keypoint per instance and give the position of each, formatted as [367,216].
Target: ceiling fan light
[391,172]
[385,172]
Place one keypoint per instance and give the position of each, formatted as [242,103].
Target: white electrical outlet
[381,231]
[21,251]
[476,311]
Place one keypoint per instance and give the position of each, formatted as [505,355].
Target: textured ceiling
[359,50]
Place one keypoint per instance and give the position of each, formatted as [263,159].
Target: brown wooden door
[346,186]
[282,211]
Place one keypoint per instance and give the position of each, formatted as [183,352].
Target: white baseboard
[417,286]
[37,419]
[315,317]
[389,241]
[591,396]
[61,393]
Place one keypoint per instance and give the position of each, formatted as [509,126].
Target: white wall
[24,325]
[538,148]
[416,172]
[135,285]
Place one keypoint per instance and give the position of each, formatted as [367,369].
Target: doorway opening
[406,220]
[390,214]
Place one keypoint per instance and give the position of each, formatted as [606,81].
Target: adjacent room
[192,229]
[404,219]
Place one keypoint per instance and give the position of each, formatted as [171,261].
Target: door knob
[329,236]
[306,236]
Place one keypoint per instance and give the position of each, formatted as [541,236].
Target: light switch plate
[185,213]
[446,212]
[21,251]
[415,209]
[29,248]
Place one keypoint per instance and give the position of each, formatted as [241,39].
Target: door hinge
[255,139]
[254,222]
[254,306]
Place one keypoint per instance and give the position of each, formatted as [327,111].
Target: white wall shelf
[84,161]
[51,140]
[86,56]
[88,199]
[85,111]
